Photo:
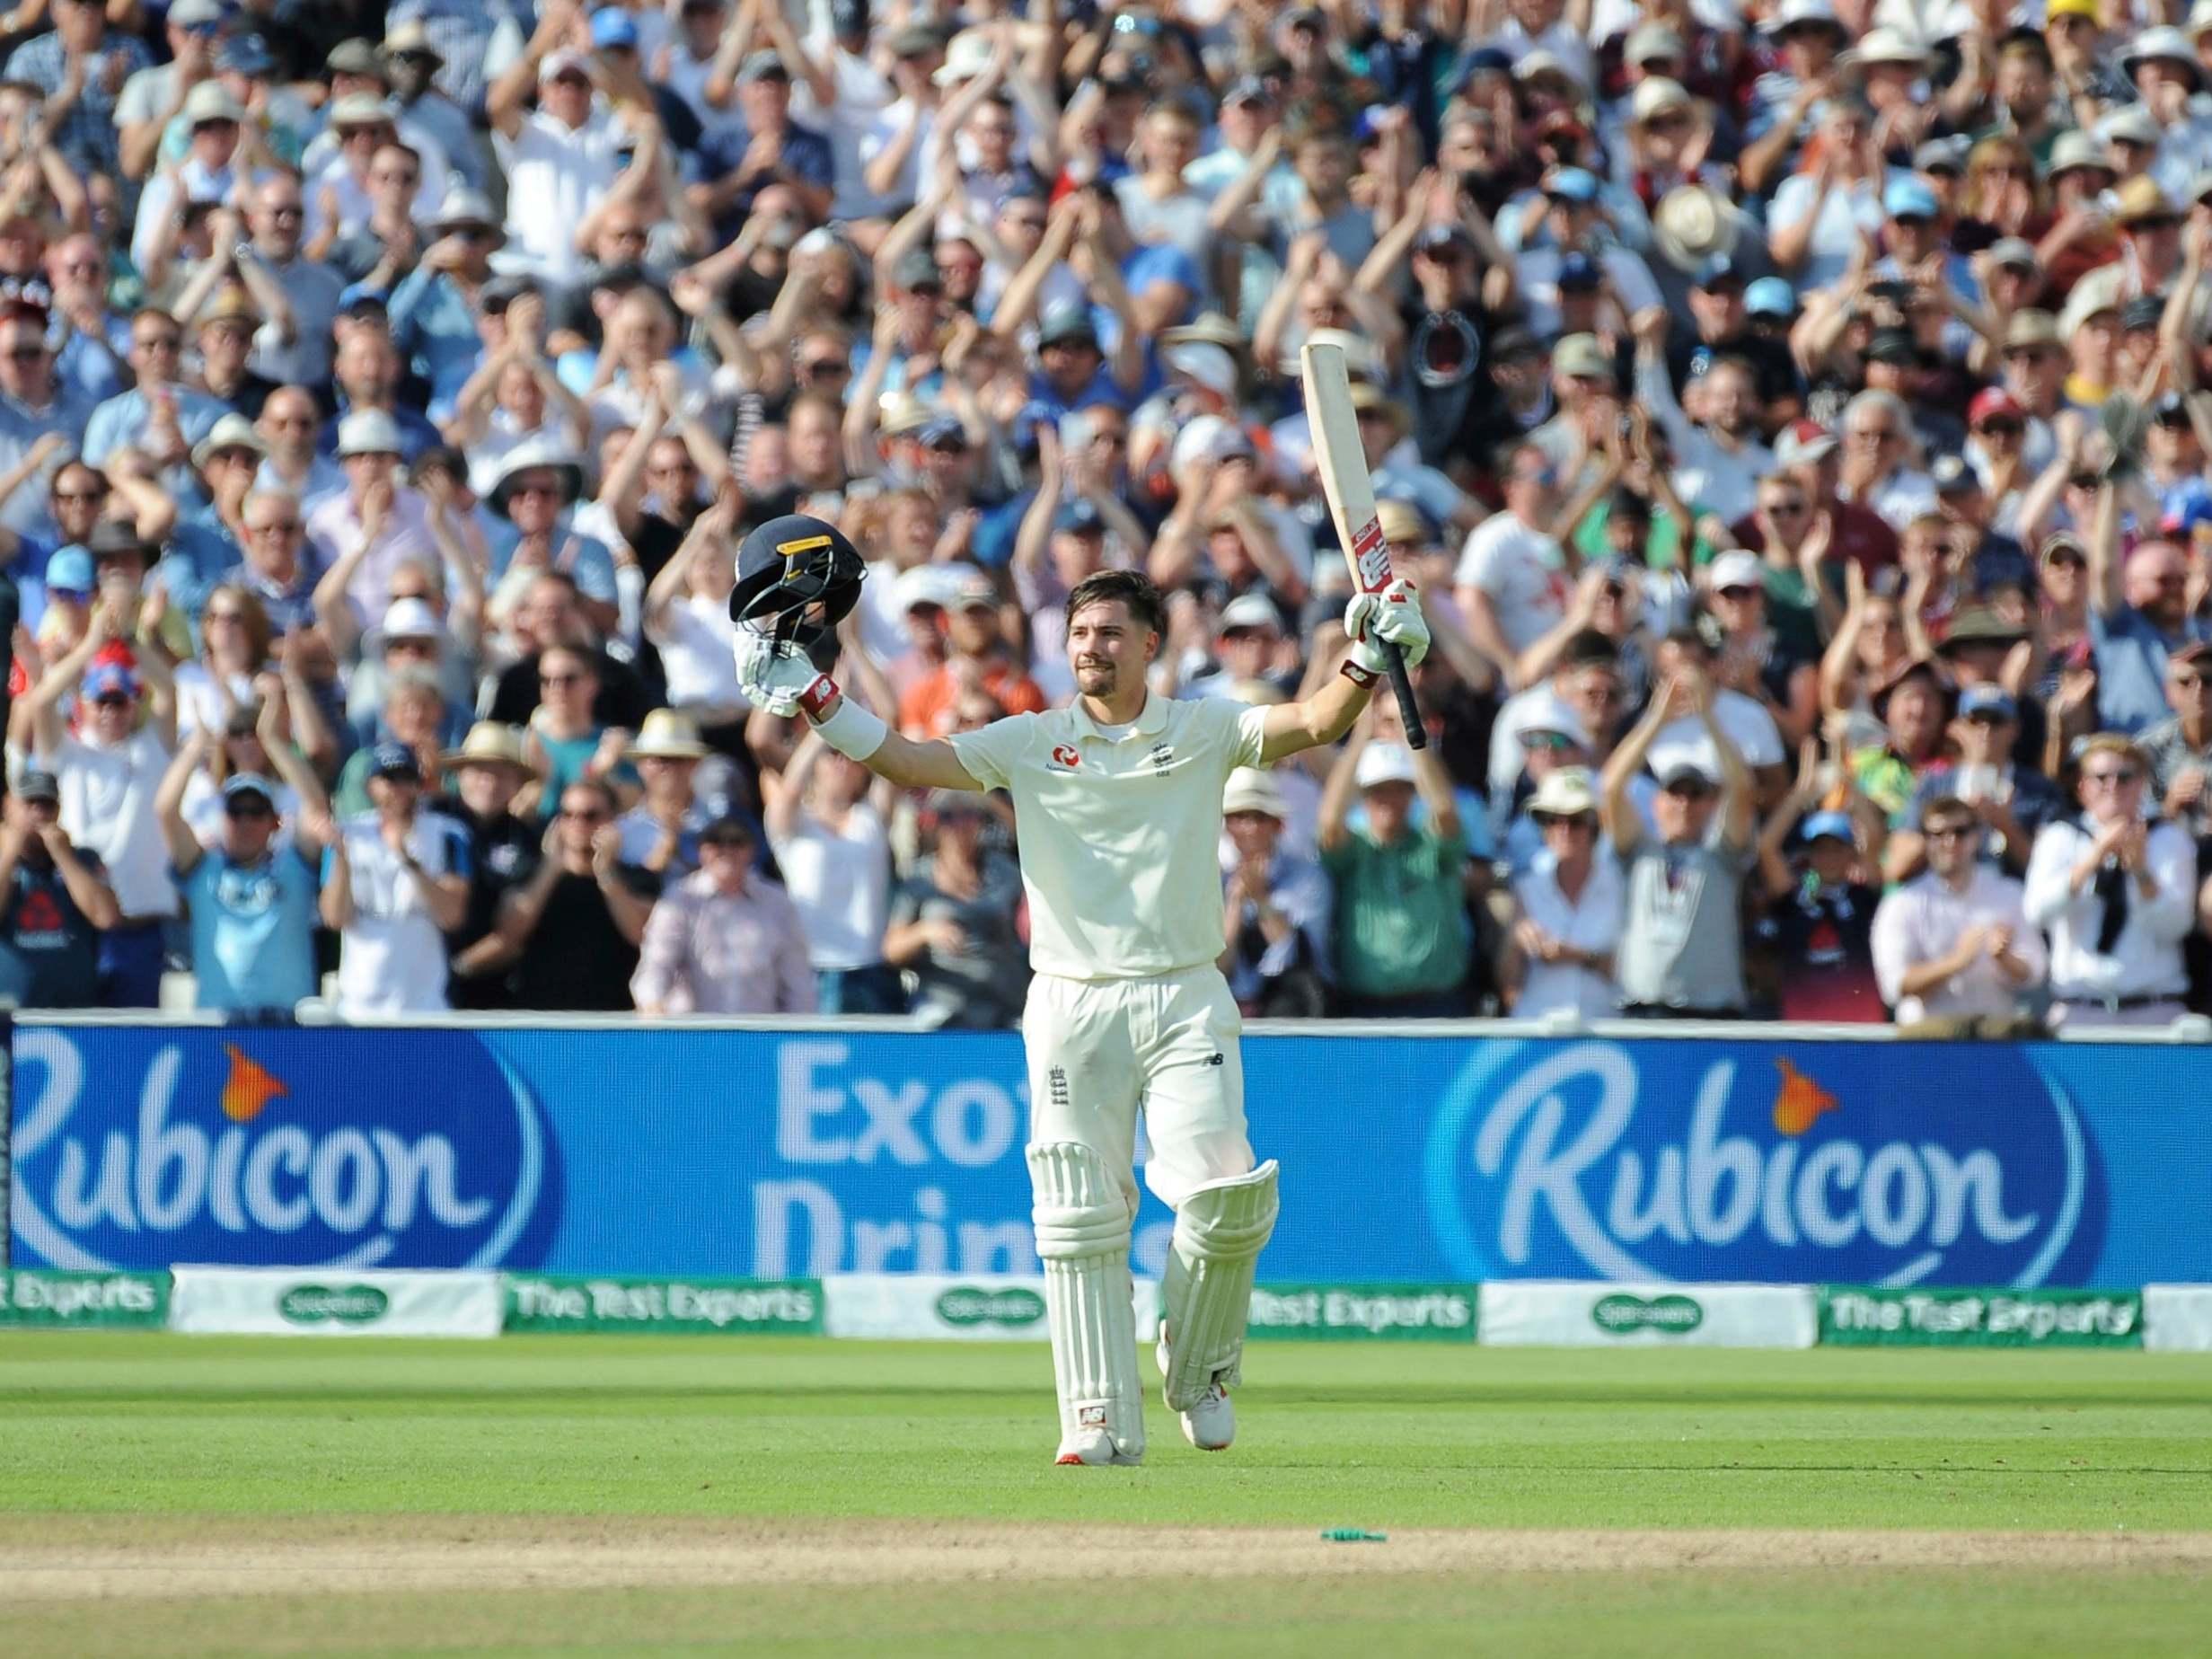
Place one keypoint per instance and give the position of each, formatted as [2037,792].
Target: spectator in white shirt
[1955,943]
[560,158]
[395,883]
[827,825]
[687,619]
[1560,952]
[1686,742]
[1514,573]
[363,536]
[2117,894]
[109,773]
[1718,460]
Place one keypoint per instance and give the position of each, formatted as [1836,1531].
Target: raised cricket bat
[1343,464]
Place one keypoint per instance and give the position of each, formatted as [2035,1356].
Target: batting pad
[1219,1234]
[1081,1218]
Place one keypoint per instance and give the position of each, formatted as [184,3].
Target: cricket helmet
[796,580]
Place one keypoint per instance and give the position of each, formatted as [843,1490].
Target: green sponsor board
[1011,1306]
[556,1302]
[332,1305]
[83,1300]
[1872,1315]
[1671,1315]
[1364,1312]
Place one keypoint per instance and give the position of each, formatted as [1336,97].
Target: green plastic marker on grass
[1352,1535]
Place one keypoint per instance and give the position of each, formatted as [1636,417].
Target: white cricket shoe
[1211,1425]
[1094,1449]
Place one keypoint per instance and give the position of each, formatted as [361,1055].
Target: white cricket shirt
[1118,833]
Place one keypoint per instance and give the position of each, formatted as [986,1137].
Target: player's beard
[1095,678]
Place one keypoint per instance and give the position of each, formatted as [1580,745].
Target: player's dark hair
[1133,588]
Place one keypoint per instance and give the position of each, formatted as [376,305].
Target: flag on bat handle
[1343,465]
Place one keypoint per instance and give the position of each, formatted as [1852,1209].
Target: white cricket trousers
[1101,1050]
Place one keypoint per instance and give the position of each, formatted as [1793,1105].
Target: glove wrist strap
[1369,656]
[851,729]
[1356,672]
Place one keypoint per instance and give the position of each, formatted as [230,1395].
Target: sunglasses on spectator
[111,700]
[2001,428]
[71,595]
[1737,592]
[26,354]
[246,807]
[589,814]
[1689,792]
[1564,820]
[1785,509]
[825,365]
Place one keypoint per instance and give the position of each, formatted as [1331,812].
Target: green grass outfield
[119,1451]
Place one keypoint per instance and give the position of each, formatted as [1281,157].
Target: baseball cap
[943,432]
[1686,779]
[1250,611]
[1893,346]
[1738,569]
[1564,793]
[37,786]
[1909,199]
[185,14]
[762,67]
[1803,442]
[1570,184]
[613,26]
[70,571]
[368,432]
[1771,297]
[1992,403]
[1251,790]
[394,760]
[249,783]
[969,590]
[1580,355]
[2142,312]
[1248,89]
[1941,155]
[1952,477]
[1652,41]
[411,619]
[2076,149]
[1987,699]
[1437,238]
[1065,320]
[1579,274]
[2030,328]
[557,64]
[1383,762]
[2013,251]
[1655,96]
[1210,365]
[1078,517]
[207,101]
[1828,827]
[360,108]
[109,678]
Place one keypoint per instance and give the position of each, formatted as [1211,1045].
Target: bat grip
[1408,710]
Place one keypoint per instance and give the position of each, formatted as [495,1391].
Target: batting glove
[776,677]
[1393,614]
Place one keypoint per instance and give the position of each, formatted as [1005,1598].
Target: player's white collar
[1151,719]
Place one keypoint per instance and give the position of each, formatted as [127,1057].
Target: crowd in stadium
[1791,414]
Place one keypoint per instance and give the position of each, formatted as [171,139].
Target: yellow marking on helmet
[792,550]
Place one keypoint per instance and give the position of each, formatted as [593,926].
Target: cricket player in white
[1117,801]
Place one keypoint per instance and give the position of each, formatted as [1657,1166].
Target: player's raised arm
[1394,614]
[798,577]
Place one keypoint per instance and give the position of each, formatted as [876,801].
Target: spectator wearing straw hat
[661,832]
[488,770]
[1559,950]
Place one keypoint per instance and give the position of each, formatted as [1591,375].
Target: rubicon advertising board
[669,1153]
